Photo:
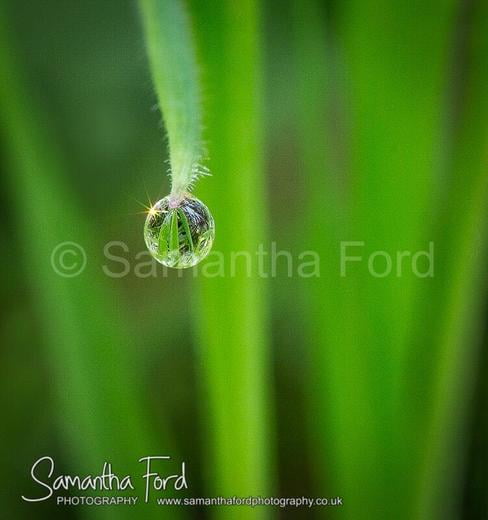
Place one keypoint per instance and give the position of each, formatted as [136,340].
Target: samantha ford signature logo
[43,473]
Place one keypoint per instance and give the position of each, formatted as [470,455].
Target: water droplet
[179,234]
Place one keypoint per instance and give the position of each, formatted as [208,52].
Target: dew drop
[179,234]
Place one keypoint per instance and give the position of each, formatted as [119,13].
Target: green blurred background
[326,122]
